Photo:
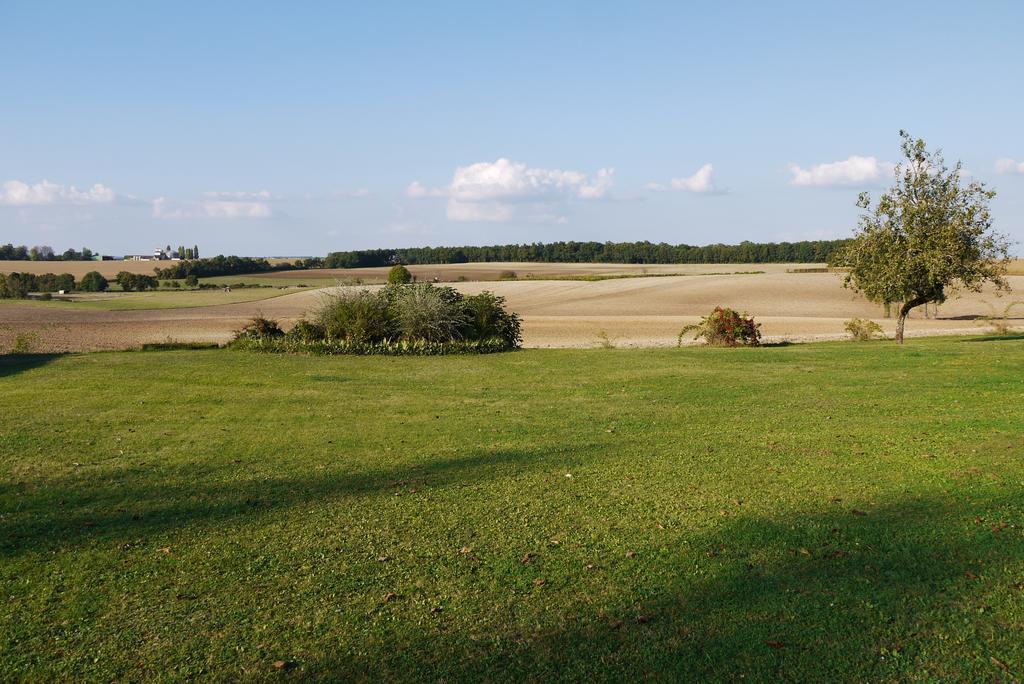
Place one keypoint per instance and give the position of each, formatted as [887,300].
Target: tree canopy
[927,236]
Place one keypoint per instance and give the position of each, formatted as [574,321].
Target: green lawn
[813,513]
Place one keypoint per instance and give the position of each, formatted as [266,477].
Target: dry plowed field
[556,313]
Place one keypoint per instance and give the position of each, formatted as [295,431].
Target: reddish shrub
[725,328]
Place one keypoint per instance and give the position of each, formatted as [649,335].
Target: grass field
[812,512]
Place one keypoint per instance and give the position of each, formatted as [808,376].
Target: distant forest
[9,252]
[813,251]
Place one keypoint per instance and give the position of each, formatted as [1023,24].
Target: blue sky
[298,128]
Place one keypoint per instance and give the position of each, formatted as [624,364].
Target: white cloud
[703,181]
[417,190]
[17,194]
[504,190]
[231,210]
[212,208]
[854,170]
[261,195]
[1009,166]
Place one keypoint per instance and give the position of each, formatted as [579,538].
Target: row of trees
[136,282]
[9,252]
[19,285]
[188,252]
[218,266]
[814,251]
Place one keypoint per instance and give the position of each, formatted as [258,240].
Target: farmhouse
[159,254]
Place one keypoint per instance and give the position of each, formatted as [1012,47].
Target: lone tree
[93,281]
[927,237]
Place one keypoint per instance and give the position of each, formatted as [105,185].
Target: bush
[507,275]
[135,281]
[412,319]
[426,312]
[24,343]
[259,328]
[399,275]
[862,330]
[487,317]
[1000,322]
[305,331]
[361,316]
[191,280]
[725,328]
[93,281]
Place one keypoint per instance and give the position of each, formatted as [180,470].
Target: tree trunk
[904,312]
[900,320]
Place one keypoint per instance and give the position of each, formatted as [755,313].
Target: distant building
[137,257]
[165,254]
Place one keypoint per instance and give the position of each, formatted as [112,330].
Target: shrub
[487,317]
[136,281]
[93,281]
[1000,322]
[191,280]
[399,275]
[361,316]
[259,328]
[305,331]
[507,275]
[604,341]
[416,319]
[24,343]
[862,330]
[425,312]
[724,327]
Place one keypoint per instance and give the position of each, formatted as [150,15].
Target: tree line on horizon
[808,251]
[9,252]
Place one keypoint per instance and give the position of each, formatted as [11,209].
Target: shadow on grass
[912,589]
[1010,337]
[104,504]
[820,595]
[12,364]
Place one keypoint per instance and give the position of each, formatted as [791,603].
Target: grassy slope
[830,511]
[159,299]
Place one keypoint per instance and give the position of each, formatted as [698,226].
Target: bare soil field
[630,312]
[495,269]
